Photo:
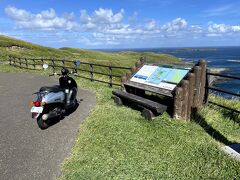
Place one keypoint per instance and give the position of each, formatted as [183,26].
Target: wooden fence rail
[32,63]
[209,87]
[192,93]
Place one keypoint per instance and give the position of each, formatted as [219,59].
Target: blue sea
[227,58]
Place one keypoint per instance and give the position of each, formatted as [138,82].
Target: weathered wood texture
[203,65]
[177,106]
[156,107]
[190,94]
[197,72]
[191,79]
[148,88]
[185,87]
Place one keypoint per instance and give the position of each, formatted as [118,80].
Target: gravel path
[27,152]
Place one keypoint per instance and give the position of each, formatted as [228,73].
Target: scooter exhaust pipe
[49,115]
[44,117]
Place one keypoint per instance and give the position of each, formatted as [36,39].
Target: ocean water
[227,58]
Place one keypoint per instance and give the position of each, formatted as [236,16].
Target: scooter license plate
[37,109]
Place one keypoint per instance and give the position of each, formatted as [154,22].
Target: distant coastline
[196,49]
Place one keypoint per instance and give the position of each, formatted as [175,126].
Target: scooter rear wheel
[42,124]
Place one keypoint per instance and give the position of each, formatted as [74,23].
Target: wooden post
[20,62]
[197,72]
[185,87]
[53,65]
[76,68]
[63,63]
[138,63]
[34,64]
[14,61]
[10,60]
[142,59]
[133,69]
[123,80]
[128,75]
[91,72]
[177,107]
[42,62]
[203,65]
[110,75]
[206,87]
[191,79]
[26,62]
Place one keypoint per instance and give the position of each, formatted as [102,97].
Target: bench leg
[118,101]
[147,114]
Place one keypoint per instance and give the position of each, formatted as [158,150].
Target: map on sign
[166,78]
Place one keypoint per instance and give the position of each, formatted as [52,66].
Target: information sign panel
[165,78]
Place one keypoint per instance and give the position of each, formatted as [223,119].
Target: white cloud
[175,25]
[152,25]
[218,28]
[48,14]
[46,20]
[105,27]
[101,16]
[196,29]
[213,35]
[236,28]
[107,16]
[223,28]
[18,14]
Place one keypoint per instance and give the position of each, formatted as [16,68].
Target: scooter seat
[51,88]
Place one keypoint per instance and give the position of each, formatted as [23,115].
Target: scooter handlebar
[53,74]
[74,73]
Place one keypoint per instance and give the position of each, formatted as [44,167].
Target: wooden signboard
[153,78]
[185,85]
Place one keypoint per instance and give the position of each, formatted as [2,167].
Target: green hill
[15,47]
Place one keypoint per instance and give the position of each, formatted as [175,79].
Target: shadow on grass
[199,119]
[227,112]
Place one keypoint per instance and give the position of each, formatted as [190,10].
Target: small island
[196,49]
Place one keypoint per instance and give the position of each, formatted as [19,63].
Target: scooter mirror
[45,66]
[77,63]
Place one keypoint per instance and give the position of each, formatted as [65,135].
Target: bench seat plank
[159,108]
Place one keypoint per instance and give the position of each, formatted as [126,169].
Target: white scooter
[53,102]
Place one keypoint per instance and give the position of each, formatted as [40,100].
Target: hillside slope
[15,47]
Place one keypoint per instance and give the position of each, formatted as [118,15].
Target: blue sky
[98,24]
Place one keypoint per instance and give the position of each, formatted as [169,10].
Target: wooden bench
[150,107]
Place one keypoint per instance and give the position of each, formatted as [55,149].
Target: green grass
[117,143]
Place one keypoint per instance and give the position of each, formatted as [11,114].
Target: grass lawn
[117,143]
